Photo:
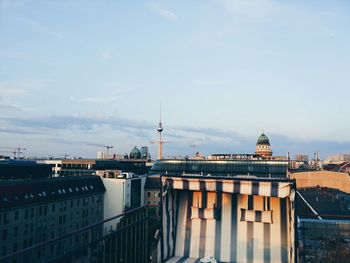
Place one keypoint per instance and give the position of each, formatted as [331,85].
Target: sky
[78,75]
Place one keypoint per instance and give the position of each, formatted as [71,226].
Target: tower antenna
[160,142]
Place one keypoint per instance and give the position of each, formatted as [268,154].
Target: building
[263,147]
[260,168]
[135,153]
[145,153]
[67,167]
[230,218]
[302,157]
[124,192]
[233,210]
[153,193]
[41,209]
[339,158]
[20,169]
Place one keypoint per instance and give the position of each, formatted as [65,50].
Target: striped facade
[232,220]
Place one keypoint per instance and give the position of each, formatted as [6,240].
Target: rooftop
[23,192]
[259,168]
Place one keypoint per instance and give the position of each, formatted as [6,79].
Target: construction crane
[15,151]
[19,151]
[104,146]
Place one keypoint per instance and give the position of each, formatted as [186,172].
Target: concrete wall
[336,180]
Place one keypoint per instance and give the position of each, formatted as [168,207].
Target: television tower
[160,130]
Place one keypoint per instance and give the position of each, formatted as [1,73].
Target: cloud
[165,13]
[207,140]
[42,28]
[21,56]
[251,8]
[7,93]
[96,99]
[106,55]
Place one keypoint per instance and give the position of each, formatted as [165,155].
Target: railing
[323,240]
[123,238]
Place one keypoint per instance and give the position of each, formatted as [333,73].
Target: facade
[229,219]
[233,210]
[153,194]
[260,168]
[339,158]
[145,153]
[67,167]
[263,147]
[124,192]
[152,190]
[37,210]
[19,169]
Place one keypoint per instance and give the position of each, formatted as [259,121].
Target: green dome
[263,140]
[135,153]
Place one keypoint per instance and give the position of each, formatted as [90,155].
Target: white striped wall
[227,238]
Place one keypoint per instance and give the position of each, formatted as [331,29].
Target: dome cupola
[263,146]
[135,153]
[263,140]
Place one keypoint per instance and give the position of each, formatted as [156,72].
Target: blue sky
[74,73]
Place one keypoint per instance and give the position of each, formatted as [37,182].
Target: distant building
[124,191]
[263,147]
[66,167]
[135,153]
[21,169]
[102,155]
[42,208]
[153,192]
[302,158]
[145,153]
[339,158]
[231,167]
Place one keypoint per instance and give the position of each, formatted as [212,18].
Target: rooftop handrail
[80,230]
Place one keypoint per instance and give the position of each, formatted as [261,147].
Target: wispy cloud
[208,140]
[106,55]
[251,9]
[22,56]
[42,28]
[96,99]
[163,12]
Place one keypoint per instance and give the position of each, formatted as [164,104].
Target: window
[4,250]
[16,215]
[156,194]
[15,231]
[4,234]
[148,194]
[5,220]
[14,247]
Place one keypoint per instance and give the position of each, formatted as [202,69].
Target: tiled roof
[24,192]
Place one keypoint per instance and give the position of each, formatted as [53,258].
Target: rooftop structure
[20,169]
[258,168]
[263,147]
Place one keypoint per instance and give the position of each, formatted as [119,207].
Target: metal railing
[323,240]
[122,238]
